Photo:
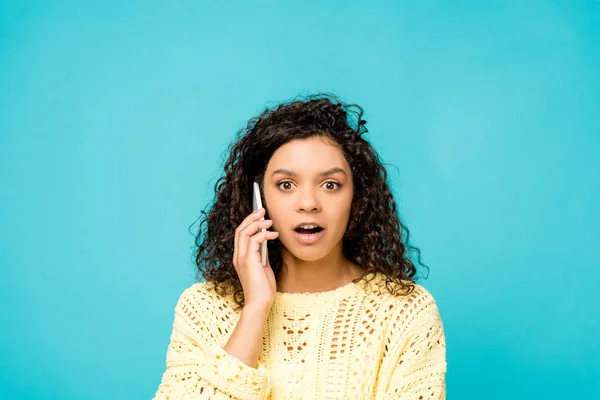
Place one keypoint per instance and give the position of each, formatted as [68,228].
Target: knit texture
[355,342]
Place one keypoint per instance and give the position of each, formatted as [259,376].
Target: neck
[328,273]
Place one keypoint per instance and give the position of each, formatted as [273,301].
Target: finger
[248,231]
[259,238]
[253,216]
[236,238]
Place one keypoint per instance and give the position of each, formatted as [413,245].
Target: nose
[308,202]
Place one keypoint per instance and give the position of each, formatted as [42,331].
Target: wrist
[257,309]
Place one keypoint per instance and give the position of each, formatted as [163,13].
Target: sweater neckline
[313,298]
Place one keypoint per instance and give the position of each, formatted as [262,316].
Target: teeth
[308,226]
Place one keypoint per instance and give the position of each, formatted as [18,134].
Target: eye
[283,183]
[336,185]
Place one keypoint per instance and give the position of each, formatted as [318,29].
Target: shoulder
[406,311]
[379,285]
[202,316]
[196,289]
[417,309]
[201,298]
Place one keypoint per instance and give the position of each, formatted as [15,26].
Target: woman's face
[309,181]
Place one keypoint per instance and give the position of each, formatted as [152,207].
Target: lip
[309,238]
[308,223]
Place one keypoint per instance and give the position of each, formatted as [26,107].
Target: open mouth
[308,231]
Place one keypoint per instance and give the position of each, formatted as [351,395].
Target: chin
[308,253]
[308,256]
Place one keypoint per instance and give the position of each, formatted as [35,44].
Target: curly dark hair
[373,239]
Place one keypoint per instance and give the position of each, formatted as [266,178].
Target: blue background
[114,117]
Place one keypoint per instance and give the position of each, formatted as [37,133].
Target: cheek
[341,215]
[278,218]
[344,206]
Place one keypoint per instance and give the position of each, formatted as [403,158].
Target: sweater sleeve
[420,365]
[197,366]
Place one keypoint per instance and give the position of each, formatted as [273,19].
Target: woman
[336,312]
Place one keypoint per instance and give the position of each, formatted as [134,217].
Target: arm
[198,367]
[420,368]
[246,339]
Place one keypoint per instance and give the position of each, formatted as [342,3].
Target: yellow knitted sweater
[354,342]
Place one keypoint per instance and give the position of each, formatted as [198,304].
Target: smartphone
[257,204]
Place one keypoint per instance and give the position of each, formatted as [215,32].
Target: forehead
[314,154]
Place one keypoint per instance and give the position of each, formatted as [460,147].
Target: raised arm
[197,365]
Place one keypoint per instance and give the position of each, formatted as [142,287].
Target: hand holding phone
[250,251]
[258,282]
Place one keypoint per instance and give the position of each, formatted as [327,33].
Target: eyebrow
[330,171]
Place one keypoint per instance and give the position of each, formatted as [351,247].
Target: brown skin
[259,287]
[305,195]
[309,196]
